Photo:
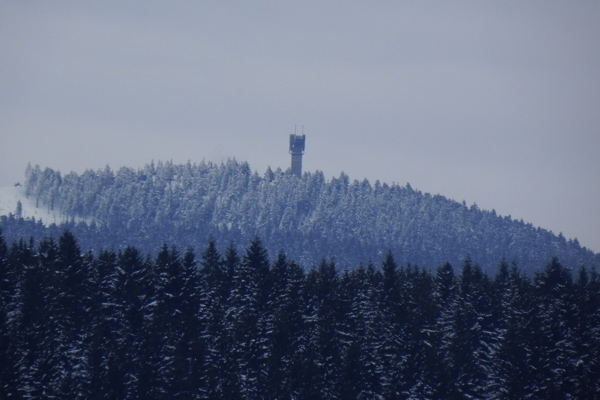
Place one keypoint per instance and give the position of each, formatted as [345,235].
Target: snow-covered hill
[11,195]
[309,217]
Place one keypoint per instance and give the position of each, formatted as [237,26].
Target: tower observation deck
[297,150]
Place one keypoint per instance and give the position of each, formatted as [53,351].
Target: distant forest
[308,217]
[122,324]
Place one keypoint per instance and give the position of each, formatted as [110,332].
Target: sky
[493,103]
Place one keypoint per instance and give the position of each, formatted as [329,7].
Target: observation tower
[297,150]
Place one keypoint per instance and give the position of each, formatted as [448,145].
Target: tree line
[311,217]
[238,325]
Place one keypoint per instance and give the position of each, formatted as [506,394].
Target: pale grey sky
[496,103]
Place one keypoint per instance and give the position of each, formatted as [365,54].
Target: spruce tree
[440,371]
[246,320]
[512,311]
[8,281]
[40,370]
[214,297]
[587,334]
[474,342]
[393,308]
[556,345]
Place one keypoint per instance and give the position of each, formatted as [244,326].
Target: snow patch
[11,195]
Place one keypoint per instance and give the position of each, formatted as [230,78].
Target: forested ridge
[309,217]
[122,324]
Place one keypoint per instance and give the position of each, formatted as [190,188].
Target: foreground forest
[240,325]
[310,217]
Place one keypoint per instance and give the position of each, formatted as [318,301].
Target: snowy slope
[10,195]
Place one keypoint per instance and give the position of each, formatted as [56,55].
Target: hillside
[308,217]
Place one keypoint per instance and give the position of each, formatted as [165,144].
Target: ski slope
[11,195]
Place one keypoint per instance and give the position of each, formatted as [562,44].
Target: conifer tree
[512,310]
[396,341]
[556,345]
[39,369]
[228,382]
[322,327]
[364,354]
[440,368]
[22,312]
[214,298]
[173,314]
[107,380]
[421,314]
[247,321]
[474,341]
[281,328]
[8,280]
[290,318]
[133,301]
[587,334]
